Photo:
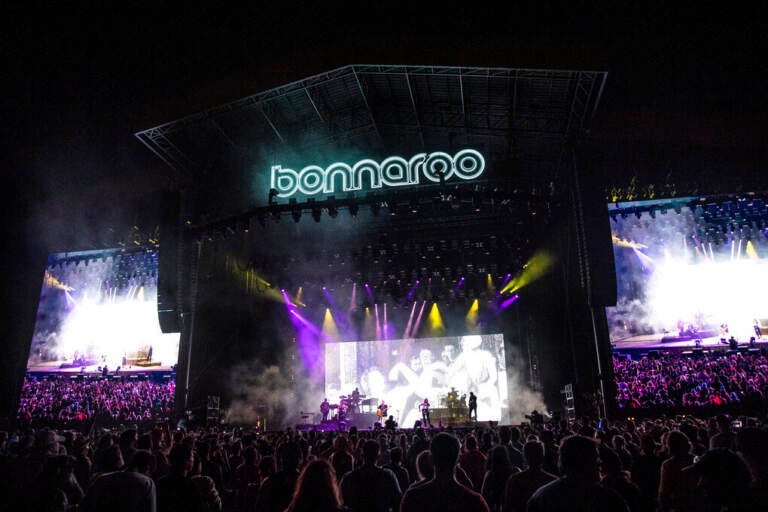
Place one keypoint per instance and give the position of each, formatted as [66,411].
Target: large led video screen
[691,274]
[97,310]
[404,372]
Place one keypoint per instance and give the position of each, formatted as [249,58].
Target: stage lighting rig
[295,210]
[315,209]
[333,211]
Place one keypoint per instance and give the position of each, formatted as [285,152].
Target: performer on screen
[424,407]
[325,408]
[472,405]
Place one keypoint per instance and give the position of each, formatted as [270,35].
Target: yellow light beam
[751,251]
[436,326]
[536,267]
[52,282]
[471,319]
[250,280]
[622,242]
[329,326]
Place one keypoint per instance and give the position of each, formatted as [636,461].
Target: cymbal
[343,396]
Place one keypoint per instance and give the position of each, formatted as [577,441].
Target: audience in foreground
[662,464]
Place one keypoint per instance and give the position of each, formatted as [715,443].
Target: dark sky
[82,81]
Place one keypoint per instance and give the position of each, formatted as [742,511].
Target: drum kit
[346,407]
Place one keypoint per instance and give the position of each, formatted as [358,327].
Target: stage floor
[55,367]
[665,341]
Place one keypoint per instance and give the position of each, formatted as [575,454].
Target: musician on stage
[472,405]
[381,412]
[424,407]
[325,408]
[354,401]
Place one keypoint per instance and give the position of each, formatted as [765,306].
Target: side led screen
[691,313]
[99,309]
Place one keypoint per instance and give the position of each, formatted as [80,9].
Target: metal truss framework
[524,115]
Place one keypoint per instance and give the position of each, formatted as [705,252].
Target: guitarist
[381,412]
[325,408]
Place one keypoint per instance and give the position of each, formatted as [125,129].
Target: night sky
[80,81]
[83,81]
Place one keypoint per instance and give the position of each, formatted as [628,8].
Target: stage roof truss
[527,113]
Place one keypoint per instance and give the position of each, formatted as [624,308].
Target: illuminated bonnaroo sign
[394,171]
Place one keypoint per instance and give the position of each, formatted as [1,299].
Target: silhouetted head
[445,452]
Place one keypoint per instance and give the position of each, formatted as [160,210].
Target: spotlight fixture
[295,210]
[315,209]
[333,212]
[272,194]
[353,206]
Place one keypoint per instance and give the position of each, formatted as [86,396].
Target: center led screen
[404,372]
[99,309]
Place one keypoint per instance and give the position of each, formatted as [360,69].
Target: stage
[62,367]
[665,341]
